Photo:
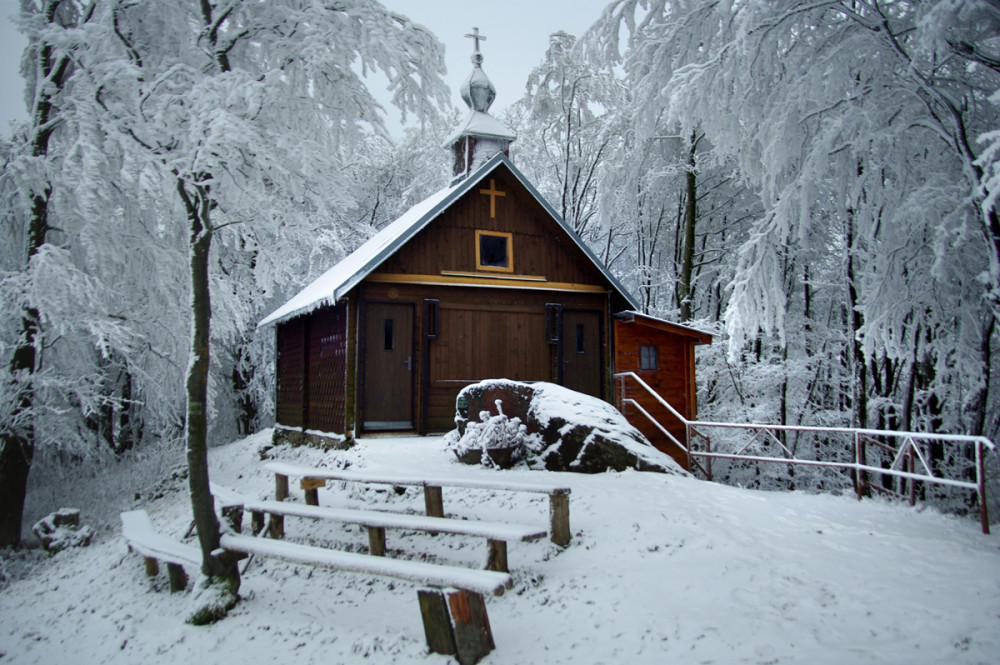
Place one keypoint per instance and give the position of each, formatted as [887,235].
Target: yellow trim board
[485,280]
[524,278]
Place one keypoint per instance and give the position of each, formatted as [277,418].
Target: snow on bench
[477,581]
[453,611]
[314,478]
[497,534]
[143,539]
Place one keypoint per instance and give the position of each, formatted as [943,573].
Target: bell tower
[481,135]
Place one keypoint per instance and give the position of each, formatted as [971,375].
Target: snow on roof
[481,124]
[701,335]
[334,284]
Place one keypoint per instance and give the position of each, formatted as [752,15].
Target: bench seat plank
[138,531]
[479,581]
[295,470]
[378,519]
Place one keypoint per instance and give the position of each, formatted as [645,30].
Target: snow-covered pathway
[661,569]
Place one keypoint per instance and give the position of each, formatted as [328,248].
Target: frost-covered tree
[854,122]
[29,177]
[630,188]
[212,143]
[568,123]
[238,116]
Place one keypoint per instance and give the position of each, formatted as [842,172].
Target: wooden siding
[312,371]
[673,381]
[327,369]
[483,333]
[291,365]
[539,247]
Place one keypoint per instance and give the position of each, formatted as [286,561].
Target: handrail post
[911,481]
[687,435]
[858,478]
[984,518]
[708,449]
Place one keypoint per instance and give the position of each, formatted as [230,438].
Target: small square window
[649,357]
[494,251]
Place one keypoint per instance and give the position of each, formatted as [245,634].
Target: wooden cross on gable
[493,193]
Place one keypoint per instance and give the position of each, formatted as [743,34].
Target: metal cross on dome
[474,35]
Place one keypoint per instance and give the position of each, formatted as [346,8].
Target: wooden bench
[497,534]
[453,610]
[430,574]
[143,539]
[314,478]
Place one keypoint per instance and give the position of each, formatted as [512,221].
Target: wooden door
[388,377]
[581,351]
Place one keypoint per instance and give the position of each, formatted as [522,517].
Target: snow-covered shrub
[62,530]
[494,441]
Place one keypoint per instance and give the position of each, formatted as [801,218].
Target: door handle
[409,363]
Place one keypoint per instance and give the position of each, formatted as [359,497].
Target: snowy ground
[661,569]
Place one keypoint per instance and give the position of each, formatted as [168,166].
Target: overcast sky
[516,31]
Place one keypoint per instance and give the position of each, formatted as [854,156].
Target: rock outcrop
[550,426]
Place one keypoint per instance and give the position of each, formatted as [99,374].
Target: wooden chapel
[482,279]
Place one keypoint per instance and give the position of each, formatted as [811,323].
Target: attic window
[494,251]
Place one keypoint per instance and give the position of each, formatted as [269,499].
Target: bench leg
[497,557]
[256,522]
[473,636]
[433,503]
[559,518]
[152,567]
[178,578]
[233,515]
[280,487]
[437,621]
[276,526]
[376,541]
[312,497]
[456,625]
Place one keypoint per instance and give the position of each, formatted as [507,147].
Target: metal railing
[907,457]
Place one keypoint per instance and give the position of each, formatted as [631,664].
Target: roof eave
[700,336]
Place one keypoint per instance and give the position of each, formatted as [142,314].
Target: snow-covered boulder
[61,530]
[550,426]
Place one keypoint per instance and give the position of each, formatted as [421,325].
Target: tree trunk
[978,402]
[859,394]
[690,219]
[220,569]
[17,442]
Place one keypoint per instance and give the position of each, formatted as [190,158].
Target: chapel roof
[336,282]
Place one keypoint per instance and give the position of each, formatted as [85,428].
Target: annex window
[649,357]
[494,251]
